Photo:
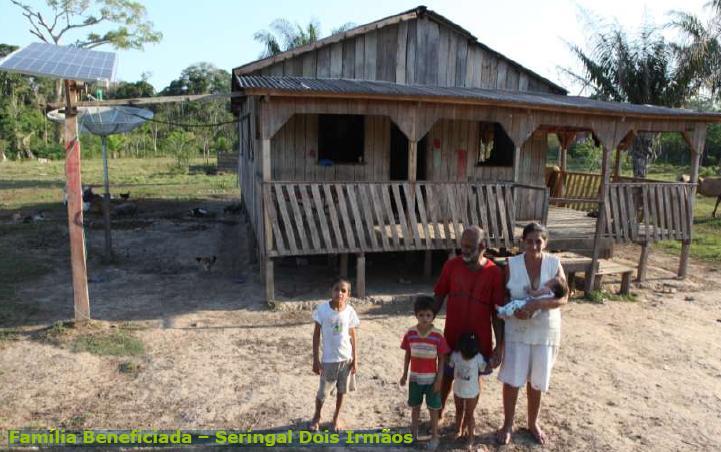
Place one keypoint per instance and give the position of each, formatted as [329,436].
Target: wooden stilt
[625,283]
[617,165]
[696,142]
[361,276]
[643,262]
[269,280]
[427,263]
[600,221]
[683,262]
[250,242]
[343,265]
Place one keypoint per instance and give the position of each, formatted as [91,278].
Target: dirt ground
[631,375]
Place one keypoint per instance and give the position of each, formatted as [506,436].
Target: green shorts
[416,392]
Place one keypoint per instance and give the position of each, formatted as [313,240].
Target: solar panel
[70,63]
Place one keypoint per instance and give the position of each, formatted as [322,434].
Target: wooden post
[106,202]
[76,233]
[251,243]
[643,262]
[517,163]
[267,267]
[344,266]
[412,173]
[427,263]
[696,151]
[565,139]
[361,276]
[269,280]
[601,220]
[412,161]
[617,165]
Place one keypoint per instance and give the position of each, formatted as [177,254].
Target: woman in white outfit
[530,341]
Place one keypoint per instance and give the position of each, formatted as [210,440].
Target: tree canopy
[285,35]
[129,28]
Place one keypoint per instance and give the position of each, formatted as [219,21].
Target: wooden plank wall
[529,203]
[249,162]
[418,51]
[453,151]
[294,153]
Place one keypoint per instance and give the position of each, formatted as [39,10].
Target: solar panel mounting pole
[75,205]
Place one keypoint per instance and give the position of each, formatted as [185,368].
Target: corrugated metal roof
[293,85]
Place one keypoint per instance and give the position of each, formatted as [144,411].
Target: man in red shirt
[474,286]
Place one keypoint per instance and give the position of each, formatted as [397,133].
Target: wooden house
[393,135]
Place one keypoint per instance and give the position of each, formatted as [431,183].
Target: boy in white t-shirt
[335,323]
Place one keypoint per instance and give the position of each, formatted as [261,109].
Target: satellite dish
[104,121]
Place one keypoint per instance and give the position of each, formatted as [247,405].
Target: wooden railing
[575,190]
[648,212]
[315,218]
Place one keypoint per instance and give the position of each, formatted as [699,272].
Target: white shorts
[528,363]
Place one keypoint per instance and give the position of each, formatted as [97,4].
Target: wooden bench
[614,268]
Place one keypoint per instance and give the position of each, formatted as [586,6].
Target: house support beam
[610,136]
[427,263]
[360,276]
[601,220]
[643,262]
[269,279]
[344,266]
[617,165]
[696,141]
[266,268]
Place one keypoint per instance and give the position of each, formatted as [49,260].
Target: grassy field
[28,184]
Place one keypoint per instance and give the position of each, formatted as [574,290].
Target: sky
[531,32]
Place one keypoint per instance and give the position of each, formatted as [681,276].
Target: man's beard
[470,259]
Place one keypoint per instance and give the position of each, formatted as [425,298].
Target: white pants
[528,363]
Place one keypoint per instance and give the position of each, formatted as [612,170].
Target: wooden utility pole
[75,205]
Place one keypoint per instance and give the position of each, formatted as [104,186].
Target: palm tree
[640,69]
[700,50]
[286,36]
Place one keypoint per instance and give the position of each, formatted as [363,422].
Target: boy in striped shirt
[426,350]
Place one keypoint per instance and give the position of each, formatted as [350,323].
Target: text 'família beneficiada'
[239,438]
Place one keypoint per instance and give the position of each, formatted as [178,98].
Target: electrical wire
[178,124]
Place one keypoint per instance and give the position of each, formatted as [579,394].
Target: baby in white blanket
[554,288]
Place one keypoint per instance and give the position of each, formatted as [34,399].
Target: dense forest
[181,130]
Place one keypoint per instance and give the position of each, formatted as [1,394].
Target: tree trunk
[642,153]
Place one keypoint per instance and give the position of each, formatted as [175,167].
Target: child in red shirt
[426,351]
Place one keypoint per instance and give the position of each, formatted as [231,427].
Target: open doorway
[399,156]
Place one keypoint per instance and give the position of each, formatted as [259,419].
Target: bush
[52,151]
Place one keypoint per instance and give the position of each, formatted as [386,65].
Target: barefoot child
[426,349]
[335,323]
[468,366]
